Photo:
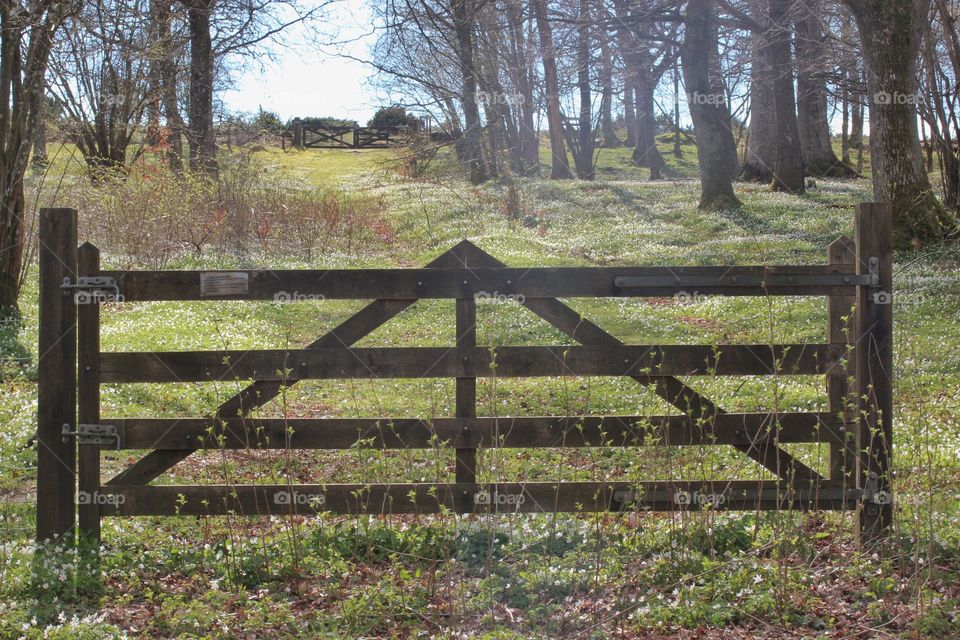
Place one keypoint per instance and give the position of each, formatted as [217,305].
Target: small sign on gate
[224,283]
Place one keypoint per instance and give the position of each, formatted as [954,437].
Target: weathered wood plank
[840,401]
[431,282]
[468,362]
[56,375]
[874,365]
[473,433]
[465,467]
[530,497]
[88,403]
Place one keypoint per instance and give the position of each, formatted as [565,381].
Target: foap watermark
[314,500]
[485,297]
[494,98]
[486,498]
[882,297]
[288,297]
[712,99]
[886,97]
[112,499]
[697,498]
[685,297]
[97,297]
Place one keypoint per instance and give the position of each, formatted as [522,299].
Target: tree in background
[393,117]
[27,33]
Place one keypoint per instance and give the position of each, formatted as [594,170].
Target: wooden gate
[855,362]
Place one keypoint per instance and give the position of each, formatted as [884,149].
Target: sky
[304,80]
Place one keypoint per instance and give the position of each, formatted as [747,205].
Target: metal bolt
[846,279]
[733,279]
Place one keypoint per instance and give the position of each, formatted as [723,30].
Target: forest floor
[632,575]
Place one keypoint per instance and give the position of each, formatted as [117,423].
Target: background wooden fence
[320,136]
[855,361]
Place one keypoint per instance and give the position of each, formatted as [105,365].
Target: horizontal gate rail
[508,497]
[510,432]
[446,362]
[555,282]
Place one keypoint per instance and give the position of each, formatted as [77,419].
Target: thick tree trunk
[761,152]
[203,144]
[788,170]
[812,118]
[711,118]
[890,31]
[584,155]
[167,72]
[21,97]
[645,153]
[560,167]
[471,143]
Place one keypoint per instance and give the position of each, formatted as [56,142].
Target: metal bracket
[873,271]
[96,434]
[743,280]
[92,288]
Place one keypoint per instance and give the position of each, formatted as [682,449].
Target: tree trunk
[40,159]
[677,149]
[471,143]
[890,31]
[646,154]
[711,118]
[167,71]
[819,158]
[607,131]
[788,170]
[21,97]
[584,155]
[560,168]
[203,143]
[761,152]
[522,71]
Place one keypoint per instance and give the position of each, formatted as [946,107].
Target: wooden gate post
[88,402]
[56,375]
[297,133]
[874,367]
[843,460]
[466,399]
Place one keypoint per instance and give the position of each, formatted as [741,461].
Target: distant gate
[856,362]
[321,136]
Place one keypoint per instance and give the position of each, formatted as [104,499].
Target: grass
[623,576]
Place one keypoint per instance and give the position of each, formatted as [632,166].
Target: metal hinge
[92,289]
[97,434]
[873,271]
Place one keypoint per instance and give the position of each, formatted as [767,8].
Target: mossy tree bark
[891,33]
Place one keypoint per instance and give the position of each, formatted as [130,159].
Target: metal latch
[92,289]
[97,434]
